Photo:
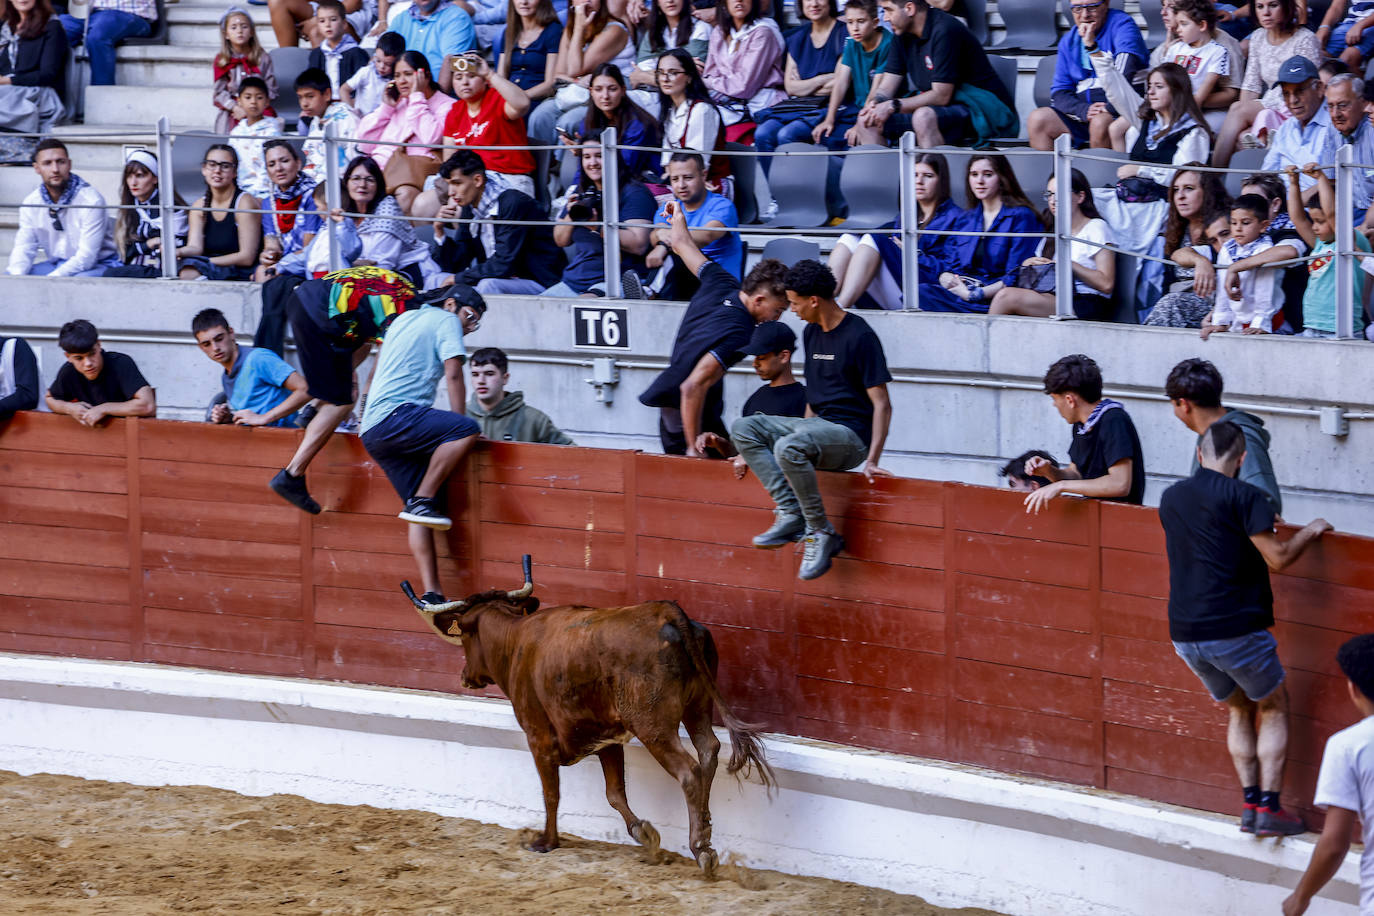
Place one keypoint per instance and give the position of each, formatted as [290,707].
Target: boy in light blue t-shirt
[1317,226]
[260,388]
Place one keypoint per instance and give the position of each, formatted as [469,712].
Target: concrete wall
[967,394]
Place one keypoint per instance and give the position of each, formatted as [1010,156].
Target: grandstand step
[204,32]
[18,183]
[187,106]
[166,65]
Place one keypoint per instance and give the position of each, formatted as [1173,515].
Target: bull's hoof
[541,846]
[707,861]
[646,835]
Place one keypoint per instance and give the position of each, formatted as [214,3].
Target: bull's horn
[524,590]
[427,609]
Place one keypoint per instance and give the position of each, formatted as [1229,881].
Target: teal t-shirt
[1319,301]
[257,382]
[863,64]
[412,362]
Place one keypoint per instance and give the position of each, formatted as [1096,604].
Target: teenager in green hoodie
[504,415]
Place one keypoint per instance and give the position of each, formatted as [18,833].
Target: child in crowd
[1318,229]
[1261,296]
[1199,53]
[247,136]
[95,383]
[865,54]
[338,54]
[1345,785]
[772,346]
[319,109]
[363,91]
[240,56]
[1349,28]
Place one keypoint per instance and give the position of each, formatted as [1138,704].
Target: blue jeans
[1249,662]
[43,268]
[786,453]
[108,28]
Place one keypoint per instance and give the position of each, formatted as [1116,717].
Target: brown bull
[586,680]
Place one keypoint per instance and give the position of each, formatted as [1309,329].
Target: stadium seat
[744,170]
[978,19]
[1030,26]
[871,185]
[1123,293]
[287,64]
[1248,161]
[790,251]
[1033,171]
[188,151]
[798,186]
[1005,68]
[1044,79]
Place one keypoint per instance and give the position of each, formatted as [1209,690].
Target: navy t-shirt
[117,382]
[586,264]
[812,61]
[1218,580]
[1111,438]
[946,52]
[841,365]
[777,401]
[527,65]
[716,322]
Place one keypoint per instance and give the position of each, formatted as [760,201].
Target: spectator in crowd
[1317,226]
[338,54]
[1345,107]
[258,387]
[1194,388]
[240,56]
[1257,295]
[1197,50]
[592,37]
[950,79]
[579,227]
[111,22]
[385,238]
[772,346]
[1306,136]
[1349,29]
[318,111]
[489,19]
[1235,64]
[611,107]
[869,267]
[865,54]
[848,415]
[1094,265]
[1015,471]
[292,19]
[504,416]
[984,264]
[688,120]
[744,60]
[670,26]
[1288,244]
[95,383]
[221,245]
[363,91]
[497,255]
[293,217]
[1345,786]
[1262,107]
[714,332]
[248,134]
[1219,535]
[1078,104]
[709,217]
[1196,224]
[19,384]
[417,445]
[1105,458]
[138,232]
[64,217]
[32,63]
[527,50]
[413,111]
[808,73]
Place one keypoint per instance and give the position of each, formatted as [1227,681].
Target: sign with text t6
[598,328]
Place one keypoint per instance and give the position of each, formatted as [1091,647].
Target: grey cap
[1297,69]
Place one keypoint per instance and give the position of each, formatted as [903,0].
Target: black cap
[459,292]
[771,337]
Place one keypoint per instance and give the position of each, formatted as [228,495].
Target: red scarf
[249,69]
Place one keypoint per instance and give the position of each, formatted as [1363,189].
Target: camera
[465,63]
[587,207]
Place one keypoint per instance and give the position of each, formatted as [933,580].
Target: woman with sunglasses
[224,234]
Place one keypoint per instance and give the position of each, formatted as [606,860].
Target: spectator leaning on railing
[95,383]
[19,385]
[64,218]
[504,415]
[258,388]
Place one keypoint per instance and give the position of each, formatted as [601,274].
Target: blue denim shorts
[1250,662]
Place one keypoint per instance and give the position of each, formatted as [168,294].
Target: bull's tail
[746,749]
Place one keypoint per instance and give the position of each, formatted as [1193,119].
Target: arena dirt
[73,847]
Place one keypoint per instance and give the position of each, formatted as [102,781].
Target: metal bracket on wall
[605,376]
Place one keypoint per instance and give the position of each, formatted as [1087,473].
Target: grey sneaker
[420,510]
[787,529]
[820,546]
[631,287]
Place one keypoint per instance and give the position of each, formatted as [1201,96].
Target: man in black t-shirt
[18,377]
[712,337]
[772,347]
[1219,535]
[846,420]
[934,56]
[1105,458]
[96,383]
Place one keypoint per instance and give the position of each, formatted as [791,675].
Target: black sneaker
[433,598]
[1278,823]
[1248,814]
[292,489]
[630,286]
[422,511]
[305,415]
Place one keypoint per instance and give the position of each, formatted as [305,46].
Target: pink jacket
[747,66]
[415,119]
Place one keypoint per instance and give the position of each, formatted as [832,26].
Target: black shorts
[1078,130]
[955,122]
[403,442]
[324,348]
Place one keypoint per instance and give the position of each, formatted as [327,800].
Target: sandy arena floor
[73,847]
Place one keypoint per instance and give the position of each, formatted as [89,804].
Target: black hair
[583,180]
[658,23]
[1356,658]
[1222,440]
[596,119]
[417,61]
[687,156]
[391,44]
[770,274]
[811,278]
[1015,469]
[725,22]
[79,336]
[373,169]
[314,78]
[490,356]
[253,82]
[280,143]
[465,161]
[208,319]
[1078,374]
[1252,203]
[50,143]
[697,90]
[870,7]
[1195,380]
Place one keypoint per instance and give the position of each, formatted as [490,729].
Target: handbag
[793,107]
[405,169]
[1037,277]
[570,96]
[1137,190]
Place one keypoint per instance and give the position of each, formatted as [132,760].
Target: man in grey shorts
[1221,544]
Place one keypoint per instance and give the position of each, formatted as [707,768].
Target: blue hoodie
[1075,83]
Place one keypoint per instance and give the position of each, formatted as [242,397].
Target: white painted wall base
[957,836]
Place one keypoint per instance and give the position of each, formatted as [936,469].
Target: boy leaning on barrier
[95,383]
[258,387]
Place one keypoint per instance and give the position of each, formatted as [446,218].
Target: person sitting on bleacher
[111,22]
[1078,103]
[318,110]
[338,54]
[285,230]
[744,63]
[1307,136]
[140,233]
[64,218]
[709,216]
[247,137]
[31,63]
[240,56]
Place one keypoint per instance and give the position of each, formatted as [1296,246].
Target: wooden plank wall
[953,626]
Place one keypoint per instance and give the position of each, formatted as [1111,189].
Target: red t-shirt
[490,128]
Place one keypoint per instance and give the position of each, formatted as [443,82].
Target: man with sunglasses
[1078,104]
[64,218]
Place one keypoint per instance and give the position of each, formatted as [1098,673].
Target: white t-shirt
[1099,233]
[1200,62]
[1346,780]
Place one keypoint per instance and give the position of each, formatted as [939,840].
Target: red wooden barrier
[953,627]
